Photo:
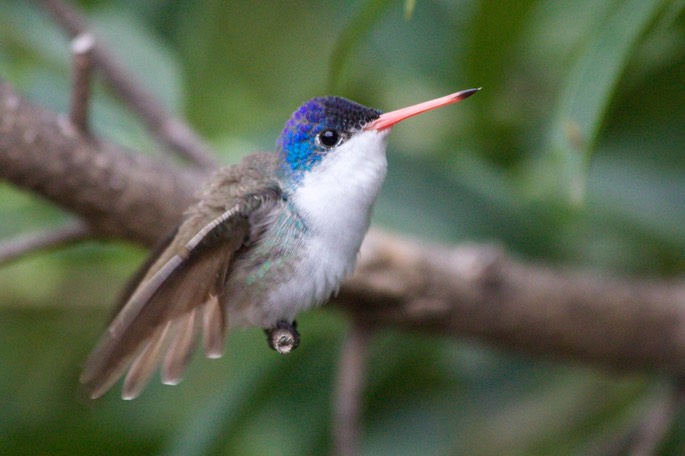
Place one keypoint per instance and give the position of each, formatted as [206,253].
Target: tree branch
[479,292]
[471,291]
[658,421]
[19,247]
[82,56]
[118,193]
[349,390]
[169,130]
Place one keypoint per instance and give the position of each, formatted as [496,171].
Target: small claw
[284,337]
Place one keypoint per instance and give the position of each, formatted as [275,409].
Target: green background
[572,154]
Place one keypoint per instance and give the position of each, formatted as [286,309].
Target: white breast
[335,201]
[337,196]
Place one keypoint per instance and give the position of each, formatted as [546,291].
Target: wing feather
[183,278]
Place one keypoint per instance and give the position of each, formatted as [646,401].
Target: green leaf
[586,95]
[352,34]
[409,7]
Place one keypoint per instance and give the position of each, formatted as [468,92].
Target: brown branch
[82,55]
[479,292]
[349,390]
[471,291]
[169,130]
[118,193]
[20,247]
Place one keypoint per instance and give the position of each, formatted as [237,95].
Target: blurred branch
[349,391]
[478,291]
[82,55]
[50,239]
[474,291]
[658,421]
[169,130]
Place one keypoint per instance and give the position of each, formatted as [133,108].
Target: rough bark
[119,193]
[478,291]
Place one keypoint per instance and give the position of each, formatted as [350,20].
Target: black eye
[329,138]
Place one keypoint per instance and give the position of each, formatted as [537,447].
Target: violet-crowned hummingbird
[267,238]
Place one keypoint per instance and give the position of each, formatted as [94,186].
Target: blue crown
[298,140]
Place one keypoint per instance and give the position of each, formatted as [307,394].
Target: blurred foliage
[572,153]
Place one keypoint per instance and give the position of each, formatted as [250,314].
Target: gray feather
[192,268]
[186,329]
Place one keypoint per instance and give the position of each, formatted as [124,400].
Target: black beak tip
[467,93]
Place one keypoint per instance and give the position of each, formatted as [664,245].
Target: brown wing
[166,309]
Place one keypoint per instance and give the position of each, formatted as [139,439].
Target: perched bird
[266,239]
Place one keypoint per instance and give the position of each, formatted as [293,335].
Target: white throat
[336,198]
[337,195]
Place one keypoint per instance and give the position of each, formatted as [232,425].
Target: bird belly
[291,269]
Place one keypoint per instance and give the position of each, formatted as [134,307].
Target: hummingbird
[267,238]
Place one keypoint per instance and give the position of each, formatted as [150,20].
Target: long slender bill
[389,119]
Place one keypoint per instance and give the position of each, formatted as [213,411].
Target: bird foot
[284,337]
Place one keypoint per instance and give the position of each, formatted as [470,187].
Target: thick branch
[474,291]
[118,193]
[479,292]
[169,130]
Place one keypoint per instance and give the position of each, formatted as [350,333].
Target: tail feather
[186,275]
[181,349]
[215,324]
[144,364]
[145,315]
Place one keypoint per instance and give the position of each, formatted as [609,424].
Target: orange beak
[389,119]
